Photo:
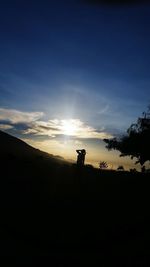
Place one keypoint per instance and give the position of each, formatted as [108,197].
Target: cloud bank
[15,116]
[34,125]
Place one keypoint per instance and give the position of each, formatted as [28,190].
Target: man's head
[83,151]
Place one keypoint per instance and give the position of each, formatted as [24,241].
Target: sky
[73,73]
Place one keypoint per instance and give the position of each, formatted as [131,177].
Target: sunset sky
[73,73]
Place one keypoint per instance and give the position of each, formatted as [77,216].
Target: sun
[69,127]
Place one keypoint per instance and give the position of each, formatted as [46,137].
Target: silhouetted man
[81,156]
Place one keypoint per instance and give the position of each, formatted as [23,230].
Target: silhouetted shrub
[120,168]
[103,165]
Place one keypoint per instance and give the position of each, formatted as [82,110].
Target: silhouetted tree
[120,168]
[103,165]
[133,170]
[136,143]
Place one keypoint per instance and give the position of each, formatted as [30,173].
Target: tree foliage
[120,168]
[103,165]
[136,142]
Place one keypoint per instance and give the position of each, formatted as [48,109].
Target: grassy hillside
[55,214]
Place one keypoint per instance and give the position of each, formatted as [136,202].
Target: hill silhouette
[14,148]
[56,214]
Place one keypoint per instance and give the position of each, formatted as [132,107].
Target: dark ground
[54,214]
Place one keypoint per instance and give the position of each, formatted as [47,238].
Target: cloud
[14,116]
[45,145]
[51,146]
[33,125]
[73,127]
[5,127]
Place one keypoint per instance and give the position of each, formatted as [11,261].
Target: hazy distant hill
[14,148]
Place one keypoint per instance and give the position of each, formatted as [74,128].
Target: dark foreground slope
[12,148]
[54,214]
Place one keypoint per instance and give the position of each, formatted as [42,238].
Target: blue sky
[69,61]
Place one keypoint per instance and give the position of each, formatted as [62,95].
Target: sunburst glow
[69,127]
